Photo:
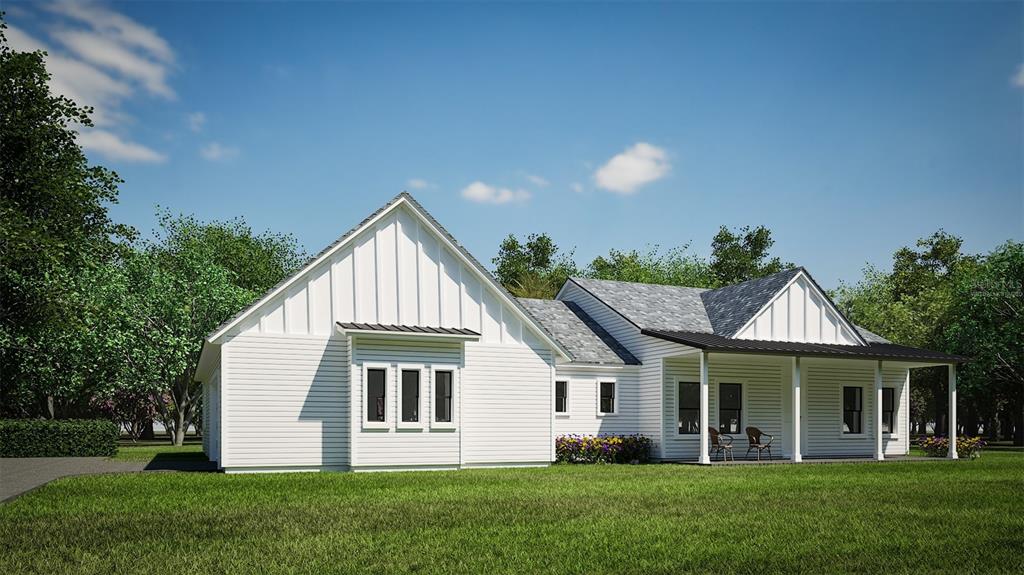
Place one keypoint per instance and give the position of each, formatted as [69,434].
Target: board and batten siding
[800,312]
[285,402]
[394,272]
[391,444]
[506,405]
[761,396]
[823,415]
[582,401]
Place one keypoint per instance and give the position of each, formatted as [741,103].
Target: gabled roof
[585,340]
[650,305]
[415,207]
[730,308]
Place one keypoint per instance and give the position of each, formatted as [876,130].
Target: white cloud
[419,184]
[482,193]
[634,168]
[537,180]
[110,54]
[217,152]
[1018,78]
[118,27]
[576,187]
[196,121]
[113,147]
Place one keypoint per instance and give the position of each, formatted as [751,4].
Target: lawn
[920,517]
[190,452]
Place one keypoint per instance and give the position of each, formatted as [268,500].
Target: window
[607,397]
[443,396]
[852,403]
[376,384]
[410,395]
[689,407]
[561,396]
[888,404]
[730,407]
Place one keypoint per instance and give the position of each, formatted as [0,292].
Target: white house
[395,349]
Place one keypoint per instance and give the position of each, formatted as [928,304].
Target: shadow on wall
[328,403]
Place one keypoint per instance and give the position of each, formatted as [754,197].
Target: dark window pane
[560,396]
[375,386]
[443,396]
[730,405]
[888,409]
[689,408]
[607,397]
[852,398]
[410,395]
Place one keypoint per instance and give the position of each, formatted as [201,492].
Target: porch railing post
[705,418]
[879,448]
[952,413]
[797,455]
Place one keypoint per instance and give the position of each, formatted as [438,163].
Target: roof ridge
[578,278]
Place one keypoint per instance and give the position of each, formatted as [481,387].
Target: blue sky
[849,129]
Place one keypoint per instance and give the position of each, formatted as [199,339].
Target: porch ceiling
[876,351]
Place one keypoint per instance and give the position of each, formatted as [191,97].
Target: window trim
[568,395]
[399,369]
[718,405]
[364,392]
[676,399]
[842,413]
[895,412]
[456,377]
[615,398]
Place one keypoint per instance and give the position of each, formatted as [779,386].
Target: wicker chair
[721,444]
[755,438]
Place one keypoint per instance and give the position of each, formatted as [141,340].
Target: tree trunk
[147,431]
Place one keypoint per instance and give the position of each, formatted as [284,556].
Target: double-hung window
[561,397]
[730,407]
[689,407]
[376,394]
[410,394]
[888,410]
[607,402]
[444,392]
[853,400]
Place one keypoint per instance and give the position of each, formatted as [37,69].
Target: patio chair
[721,443]
[755,437]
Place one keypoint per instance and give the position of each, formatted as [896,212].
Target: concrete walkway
[19,475]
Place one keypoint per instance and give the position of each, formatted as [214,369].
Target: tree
[54,228]
[740,256]
[532,268]
[674,267]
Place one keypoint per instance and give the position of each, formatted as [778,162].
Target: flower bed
[966,447]
[602,448]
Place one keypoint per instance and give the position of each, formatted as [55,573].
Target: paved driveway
[21,474]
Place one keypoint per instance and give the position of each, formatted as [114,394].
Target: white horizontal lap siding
[506,404]
[582,417]
[823,421]
[761,396]
[288,401]
[396,271]
[390,445]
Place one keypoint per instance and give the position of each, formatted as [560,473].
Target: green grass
[909,517]
[165,452]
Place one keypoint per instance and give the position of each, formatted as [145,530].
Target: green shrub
[58,438]
[602,448]
[966,447]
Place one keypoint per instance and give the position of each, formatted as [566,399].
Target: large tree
[54,228]
[532,267]
[673,267]
[743,255]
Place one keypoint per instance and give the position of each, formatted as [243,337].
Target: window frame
[455,412]
[365,391]
[568,408]
[678,398]
[718,407]
[615,396]
[399,370]
[842,413]
[895,421]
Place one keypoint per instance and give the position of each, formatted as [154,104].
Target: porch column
[705,418]
[797,455]
[952,412]
[879,450]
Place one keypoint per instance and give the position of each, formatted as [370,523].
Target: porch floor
[811,460]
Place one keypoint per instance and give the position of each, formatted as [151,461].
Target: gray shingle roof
[729,308]
[652,306]
[870,337]
[585,340]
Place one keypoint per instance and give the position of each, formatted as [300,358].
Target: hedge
[602,448]
[58,438]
